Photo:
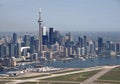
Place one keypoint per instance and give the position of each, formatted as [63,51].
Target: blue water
[73,63]
[78,63]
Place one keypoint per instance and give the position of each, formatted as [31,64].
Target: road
[88,81]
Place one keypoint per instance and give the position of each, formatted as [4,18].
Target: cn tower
[40,33]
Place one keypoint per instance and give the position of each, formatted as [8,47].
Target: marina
[51,66]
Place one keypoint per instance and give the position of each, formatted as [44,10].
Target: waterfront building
[34,57]
[6,62]
[92,48]
[61,48]
[70,51]
[12,62]
[65,51]
[113,47]
[118,47]
[49,55]
[108,43]
[82,51]
[78,52]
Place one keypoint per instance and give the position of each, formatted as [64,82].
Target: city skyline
[83,15]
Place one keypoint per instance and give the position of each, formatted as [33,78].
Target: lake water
[78,63]
[73,63]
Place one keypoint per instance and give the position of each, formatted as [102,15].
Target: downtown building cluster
[54,46]
[50,44]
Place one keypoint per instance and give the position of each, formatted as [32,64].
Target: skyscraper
[100,44]
[70,37]
[17,50]
[57,37]
[45,36]
[85,41]
[44,30]
[11,50]
[81,41]
[45,40]
[85,44]
[40,33]
[26,40]
[51,36]
[32,44]
[1,51]
[14,38]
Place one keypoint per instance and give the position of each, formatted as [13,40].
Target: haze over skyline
[63,15]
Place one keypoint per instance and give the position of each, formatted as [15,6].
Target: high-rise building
[100,44]
[57,37]
[108,45]
[70,51]
[32,44]
[118,47]
[70,37]
[92,49]
[45,40]
[36,43]
[14,38]
[81,41]
[11,50]
[1,51]
[45,36]
[51,36]
[82,51]
[32,39]
[40,33]
[85,44]
[44,31]
[85,41]
[6,50]
[17,50]
[65,51]
[79,52]
[26,40]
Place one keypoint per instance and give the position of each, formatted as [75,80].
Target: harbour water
[78,63]
[71,63]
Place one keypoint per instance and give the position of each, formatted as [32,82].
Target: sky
[62,15]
